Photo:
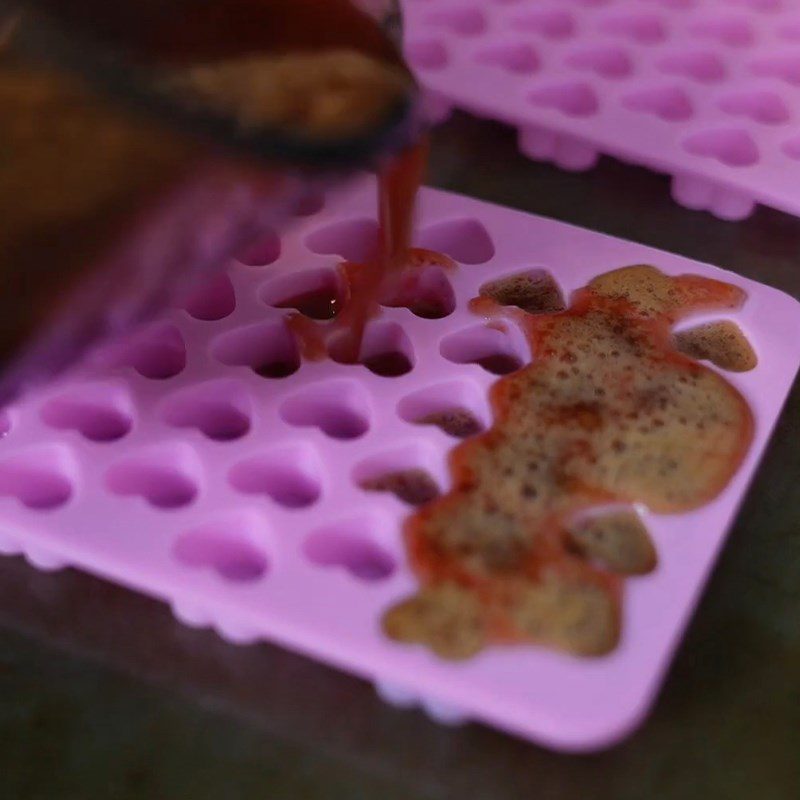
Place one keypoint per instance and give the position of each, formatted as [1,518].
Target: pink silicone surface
[168,465]
[707,91]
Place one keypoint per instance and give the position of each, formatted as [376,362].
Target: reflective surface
[103,694]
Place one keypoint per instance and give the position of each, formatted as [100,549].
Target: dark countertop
[104,695]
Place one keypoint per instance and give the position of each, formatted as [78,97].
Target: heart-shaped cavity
[426,292]
[575,99]
[518,58]
[731,31]
[340,409]
[230,547]
[427,54]
[268,348]
[349,546]
[490,347]
[759,105]
[607,61]
[465,240]
[316,294]
[462,21]
[790,30]
[731,146]
[41,479]
[551,23]
[99,412]
[765,6]
[791,147]
[699,65]
[669,103]
[264,250]
[645,29]
[213,300]
[785,67]
[356,240]
[459,408]
[386,350]
[164,476]
[157,352]
[220,410]
[310,202]
[289,475]
[404,472]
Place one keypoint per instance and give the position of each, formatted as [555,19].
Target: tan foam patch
[722,343]
[608,411]
[617,540]
[445,617]
[534,292]
[412,486]
[456,422]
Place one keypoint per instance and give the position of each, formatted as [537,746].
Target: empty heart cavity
[761,106]
[354,240]
[351,547]
[699,65]
[791,147]
[607,61]
[262,251]
[386,350]
[289,475]
[785,67]
[670,103]
[340,409]
[268,348]
[213,300]
[220,410]
[590,3]
[518,58]
[765,6]
[677,4]
[157,352]
[459,408]
[731,31]
[575,99]
[485,345]
[231,547]
[404,472]
[426,292]
[461,20]
[165,477]
[731,146]
[551,23]
[317,294]
[311,202]
[640,28]
[41,479]
[465,240]
[99,412]
[427,54]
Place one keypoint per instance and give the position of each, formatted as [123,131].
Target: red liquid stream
[366,283]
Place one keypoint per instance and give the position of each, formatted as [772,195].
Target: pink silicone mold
[203,463]
[704,90]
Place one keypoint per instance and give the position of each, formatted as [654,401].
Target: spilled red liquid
[608,412]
